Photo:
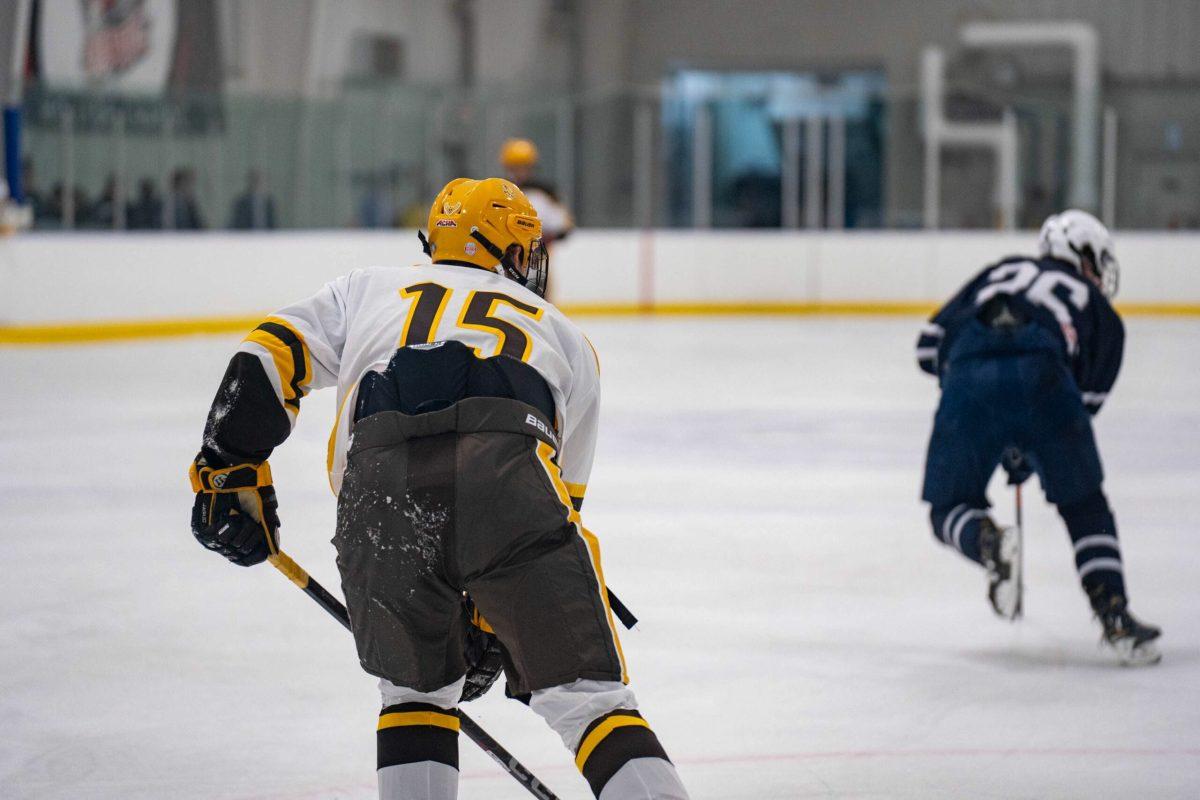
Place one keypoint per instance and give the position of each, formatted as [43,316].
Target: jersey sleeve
[936,335]
[581,420]
[929,344]
[1100,360]
[290,353]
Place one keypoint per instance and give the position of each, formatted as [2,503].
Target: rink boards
[88,286]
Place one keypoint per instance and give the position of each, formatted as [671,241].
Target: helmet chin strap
[495,252]
[510,270]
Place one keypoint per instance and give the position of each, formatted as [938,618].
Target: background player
[473,405]
[1025,352]
[519,158]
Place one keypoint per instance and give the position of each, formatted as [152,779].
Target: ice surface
[756,489]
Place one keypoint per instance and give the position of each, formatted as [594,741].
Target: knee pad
[446,697]
[570,708]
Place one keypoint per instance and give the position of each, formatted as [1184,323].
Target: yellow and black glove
[235,513]
[484,656]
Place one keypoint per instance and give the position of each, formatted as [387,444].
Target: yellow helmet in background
[518,153]
[488,223]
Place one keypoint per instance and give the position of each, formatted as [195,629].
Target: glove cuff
[229,479]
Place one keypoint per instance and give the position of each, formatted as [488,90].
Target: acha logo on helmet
[446,223]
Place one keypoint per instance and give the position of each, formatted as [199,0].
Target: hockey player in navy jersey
[1026,353]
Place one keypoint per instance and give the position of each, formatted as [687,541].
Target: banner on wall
[113,45]
[110,59]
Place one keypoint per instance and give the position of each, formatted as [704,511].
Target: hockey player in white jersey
[462,447]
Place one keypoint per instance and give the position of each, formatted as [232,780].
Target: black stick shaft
[470,727]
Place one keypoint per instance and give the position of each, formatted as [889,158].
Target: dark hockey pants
[1026,400]
[470,499]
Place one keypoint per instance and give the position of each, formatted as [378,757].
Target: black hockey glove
[485,659]
[235,513]
[1016,465]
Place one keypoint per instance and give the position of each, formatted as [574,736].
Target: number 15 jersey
[356,323]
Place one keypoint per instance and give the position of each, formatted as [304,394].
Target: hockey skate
[1000,549]
[1135,643]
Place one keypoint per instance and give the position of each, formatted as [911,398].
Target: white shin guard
[425,780]
[645,779]
[570,708]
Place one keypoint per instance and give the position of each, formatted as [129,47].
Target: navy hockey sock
[1097,552]
[418,752]
[958,527]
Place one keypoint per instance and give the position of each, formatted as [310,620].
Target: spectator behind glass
[55,215]
[253,210]
[146,211]
[182,211]
[378,208]
[33,195]
[104,212]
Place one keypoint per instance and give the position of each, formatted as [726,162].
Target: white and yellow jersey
[555,218]
[355,324]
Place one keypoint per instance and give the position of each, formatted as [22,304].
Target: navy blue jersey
[1077,320]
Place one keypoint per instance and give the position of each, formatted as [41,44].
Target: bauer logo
[530,419]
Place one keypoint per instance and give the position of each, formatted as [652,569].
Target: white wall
[69,278]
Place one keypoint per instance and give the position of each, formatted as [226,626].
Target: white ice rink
[756,491]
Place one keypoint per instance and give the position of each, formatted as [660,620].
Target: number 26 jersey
[1083,326]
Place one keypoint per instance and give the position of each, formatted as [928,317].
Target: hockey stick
[1020,558]
[296,574]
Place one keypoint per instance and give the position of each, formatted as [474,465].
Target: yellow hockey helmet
[490,224]
[518,153]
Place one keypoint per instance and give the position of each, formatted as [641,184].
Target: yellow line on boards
[749,308]
[80,332]
[118,330]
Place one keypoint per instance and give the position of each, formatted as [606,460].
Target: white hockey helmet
[1081,240]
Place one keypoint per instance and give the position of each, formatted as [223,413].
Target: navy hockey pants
[992,401]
